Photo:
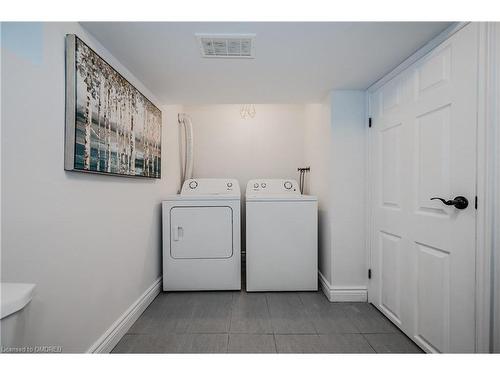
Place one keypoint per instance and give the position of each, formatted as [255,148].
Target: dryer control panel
[209,186]
[272,187]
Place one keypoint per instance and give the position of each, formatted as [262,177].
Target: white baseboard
[342,294]
[110,338]
[349,295]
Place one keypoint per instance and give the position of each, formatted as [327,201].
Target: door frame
[487,128]
[491,177]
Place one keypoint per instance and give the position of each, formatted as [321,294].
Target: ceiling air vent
[235,46]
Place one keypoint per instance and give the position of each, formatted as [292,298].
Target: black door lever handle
[459,202]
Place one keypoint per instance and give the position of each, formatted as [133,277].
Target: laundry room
[250,187]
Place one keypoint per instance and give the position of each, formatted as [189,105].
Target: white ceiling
[295,62]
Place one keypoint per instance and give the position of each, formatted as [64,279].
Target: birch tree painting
[117,129]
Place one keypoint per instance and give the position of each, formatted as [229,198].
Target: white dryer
[281,237]
[201,236]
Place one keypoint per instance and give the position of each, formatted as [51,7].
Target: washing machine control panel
[209,186]
[273,186]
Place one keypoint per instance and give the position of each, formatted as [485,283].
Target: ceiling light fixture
[247,111]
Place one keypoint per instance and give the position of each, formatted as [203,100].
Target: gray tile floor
[240,322]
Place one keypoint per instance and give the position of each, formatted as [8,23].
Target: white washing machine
[201,236]
[281,237]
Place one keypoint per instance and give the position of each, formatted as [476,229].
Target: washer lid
[280,198]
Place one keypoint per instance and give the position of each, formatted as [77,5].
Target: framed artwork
[111,128]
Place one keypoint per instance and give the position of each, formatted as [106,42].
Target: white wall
[327,136]
[270,145]
[90,243]
[335,150]
[318,155]
[348,189]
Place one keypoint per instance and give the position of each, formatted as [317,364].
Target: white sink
[14,296]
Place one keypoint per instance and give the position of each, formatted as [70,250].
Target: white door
[423,145]
[201,232]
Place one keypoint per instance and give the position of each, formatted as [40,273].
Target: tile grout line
[352,320]
[368,342]
[269,312]
[230,321]
[307,314]
[189,324]
[231,312]
[271,321]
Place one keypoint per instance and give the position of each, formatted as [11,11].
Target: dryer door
[201,232]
